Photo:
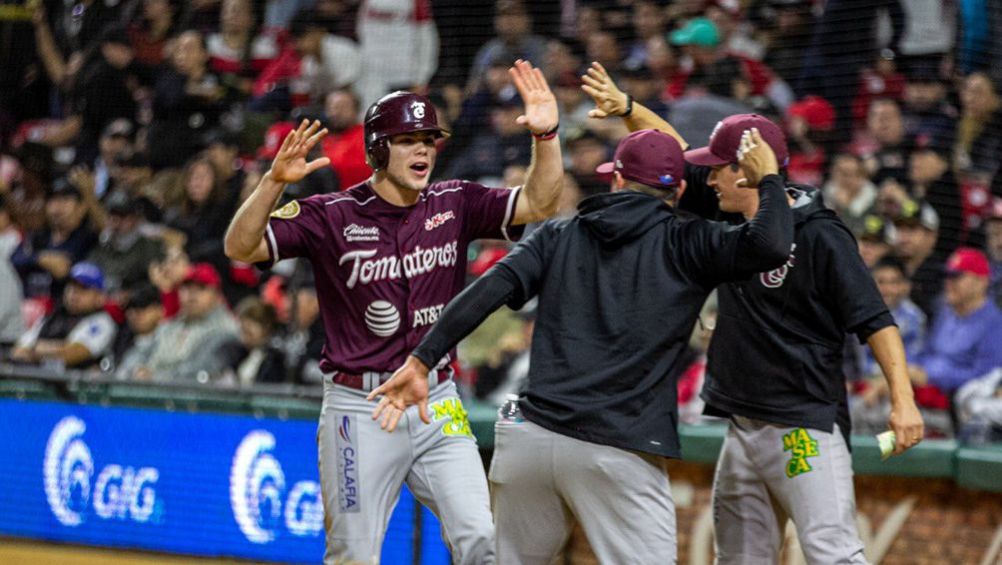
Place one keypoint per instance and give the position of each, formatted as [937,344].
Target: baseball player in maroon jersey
[388,255]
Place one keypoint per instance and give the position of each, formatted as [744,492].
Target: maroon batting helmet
[393,114]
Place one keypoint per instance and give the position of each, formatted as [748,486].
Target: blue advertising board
[200,484]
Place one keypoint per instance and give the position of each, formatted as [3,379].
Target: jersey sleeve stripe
[272,244]
[509,212]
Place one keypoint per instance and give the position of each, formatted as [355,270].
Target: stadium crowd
[130,131]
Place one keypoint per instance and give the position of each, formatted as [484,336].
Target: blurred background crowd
[130,130]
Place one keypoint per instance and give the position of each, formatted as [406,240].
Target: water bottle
[510,412]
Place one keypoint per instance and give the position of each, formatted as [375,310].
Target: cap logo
[619,164]
[417,108]
[666,179]
[716,128]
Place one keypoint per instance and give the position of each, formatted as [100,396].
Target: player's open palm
[408,386]
[290,164]
[906,422]
[609,99]
[756,158]
[541,114]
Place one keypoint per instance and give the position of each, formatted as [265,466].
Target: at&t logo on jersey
[427,316]
[776,277]
[365,269]
[347,466]
[257,490]
[355,232]
[382,318]
[438,219]
[119,492]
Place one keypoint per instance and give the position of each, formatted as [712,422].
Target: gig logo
[257,488]
[119,492]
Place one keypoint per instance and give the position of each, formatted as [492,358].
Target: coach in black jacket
[620,287]
[774,360]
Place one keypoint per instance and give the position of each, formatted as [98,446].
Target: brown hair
[256,310]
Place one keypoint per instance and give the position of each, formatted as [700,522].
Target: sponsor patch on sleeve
[287,212]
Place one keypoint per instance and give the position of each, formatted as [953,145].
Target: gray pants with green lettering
[362,469]
[769,472]
[542,482]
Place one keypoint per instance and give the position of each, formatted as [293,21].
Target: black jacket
[620,287]
[776,351]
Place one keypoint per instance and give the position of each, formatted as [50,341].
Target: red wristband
[547,135]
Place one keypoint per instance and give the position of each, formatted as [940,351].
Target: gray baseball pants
[542,481]
[362,469]
[769,472]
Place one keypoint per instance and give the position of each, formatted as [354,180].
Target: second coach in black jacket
[620,287]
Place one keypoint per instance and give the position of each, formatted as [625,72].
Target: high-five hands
[290,163]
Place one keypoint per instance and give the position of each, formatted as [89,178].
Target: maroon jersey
[383,272]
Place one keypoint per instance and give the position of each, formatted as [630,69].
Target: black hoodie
[620,287]
[776,351]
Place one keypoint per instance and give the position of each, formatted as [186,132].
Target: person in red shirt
[344,144]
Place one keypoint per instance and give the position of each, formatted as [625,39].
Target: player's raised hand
[906,422]
[756,158]
[408,386]
[290,163]
[609,99]
[541,114]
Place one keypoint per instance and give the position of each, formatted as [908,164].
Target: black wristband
[629,107]
[547,135]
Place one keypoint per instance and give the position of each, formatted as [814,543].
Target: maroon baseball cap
[648,156]
[968,260]
[726,138]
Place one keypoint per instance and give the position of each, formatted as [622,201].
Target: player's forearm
[643,118]
[889,352]
[246,231]
[464,313]
[767,238]
[544,181]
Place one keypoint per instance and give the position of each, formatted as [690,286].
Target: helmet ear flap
[379,154]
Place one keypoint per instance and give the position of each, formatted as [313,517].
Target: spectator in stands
[167,275]
[916,234]
[189,99]
[700,41]
[931,179]
[253,357]
[881,80]
[494,149]
[236,54]
[11,319]
[648,22]
[399,43]
[926,110]
[203,213]
[311,64]
[602,47]
[788,37]
[506,367]
[736,33]
[222,148]
[515,39]
[143,313]
[345,144]
[849,192]
[894,287]
[303,338]
[123,252]
[979,410]
[115,142]
[993,245]
[153,27]
[874,243]
[979,132]
[644,87]
[586,151]
[79,332]
[963,342]
[885,153]
[707,99]
[44,258]
[809,123]
[187,348]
